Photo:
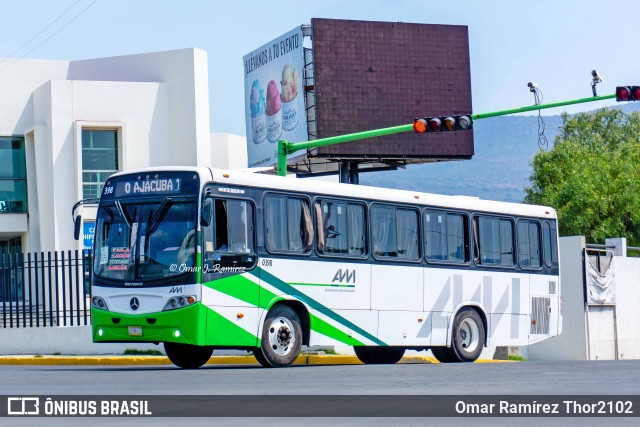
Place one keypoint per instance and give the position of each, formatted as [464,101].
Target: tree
[591,176]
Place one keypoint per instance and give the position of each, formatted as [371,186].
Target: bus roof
[311,186]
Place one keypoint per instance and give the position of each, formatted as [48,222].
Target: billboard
[274,97]
[372,75]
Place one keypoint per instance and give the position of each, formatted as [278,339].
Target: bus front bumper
[183,325]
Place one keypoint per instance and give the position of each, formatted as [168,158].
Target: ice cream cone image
[289,86]
[258,119]
[274,112]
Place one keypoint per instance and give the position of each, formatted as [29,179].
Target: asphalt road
[599,378]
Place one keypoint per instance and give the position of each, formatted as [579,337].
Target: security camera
[596,79]
[532,86]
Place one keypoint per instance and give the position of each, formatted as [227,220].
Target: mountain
[499,170]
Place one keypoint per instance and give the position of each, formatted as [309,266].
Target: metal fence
[45,289]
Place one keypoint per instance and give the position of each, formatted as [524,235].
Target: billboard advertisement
[372,75]
[274,97]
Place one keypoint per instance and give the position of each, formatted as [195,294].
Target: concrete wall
[627,271]
[572,343]
[228,151]
[62,340]
[589,333]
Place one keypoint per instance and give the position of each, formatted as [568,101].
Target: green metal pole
[285,147]
[282,157]
[540,107]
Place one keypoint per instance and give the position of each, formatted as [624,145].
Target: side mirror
[76,227]
[207,212]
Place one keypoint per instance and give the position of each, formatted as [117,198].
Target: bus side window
[230,231]
[446,237]
[495,236]
[546,239]
[288,225]
[529,244]
[221,231]
[341,228]
[395,232]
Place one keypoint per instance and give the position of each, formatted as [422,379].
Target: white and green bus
[202,259]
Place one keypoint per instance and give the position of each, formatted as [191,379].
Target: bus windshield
[148,240]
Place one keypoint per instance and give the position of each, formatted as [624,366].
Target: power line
[52,35]
[43,30]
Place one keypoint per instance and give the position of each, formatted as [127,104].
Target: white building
[66,125]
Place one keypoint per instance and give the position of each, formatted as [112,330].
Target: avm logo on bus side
[346,276]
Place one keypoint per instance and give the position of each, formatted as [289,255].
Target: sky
[555,43]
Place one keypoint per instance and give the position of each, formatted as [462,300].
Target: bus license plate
[135,331]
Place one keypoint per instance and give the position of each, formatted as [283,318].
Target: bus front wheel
[187,356]
[379,355]
[281,338]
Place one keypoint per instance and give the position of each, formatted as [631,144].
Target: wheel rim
[281,336]
[469,335]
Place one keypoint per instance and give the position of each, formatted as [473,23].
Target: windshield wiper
[160,213]
[124,214]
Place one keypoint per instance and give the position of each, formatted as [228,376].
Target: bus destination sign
[145,187]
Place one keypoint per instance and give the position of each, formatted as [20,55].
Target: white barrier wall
[589,333]
[627,271]
[572,343]
[65,340]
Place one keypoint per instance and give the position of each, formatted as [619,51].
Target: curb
[311,359]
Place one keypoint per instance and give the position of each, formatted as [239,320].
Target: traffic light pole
[285,147]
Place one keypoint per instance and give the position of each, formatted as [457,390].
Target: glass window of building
[13,176]
[99,159]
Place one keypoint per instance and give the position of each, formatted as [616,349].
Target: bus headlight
[180,302]
[98,302]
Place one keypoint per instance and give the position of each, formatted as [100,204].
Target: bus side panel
[438,303]
[405,328]
[333,285]
[338,295]
[545,308]
[232,310]
[232,326]
[509,307]
[509,329]
[344,327]
[398,288]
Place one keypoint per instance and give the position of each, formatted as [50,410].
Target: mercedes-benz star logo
[134,303]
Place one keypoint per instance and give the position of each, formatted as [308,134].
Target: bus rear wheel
[281,338]
[187,356]
[441,354]
[379,355]
[467,339]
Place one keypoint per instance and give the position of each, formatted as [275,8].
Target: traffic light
[442,124]
[628,93]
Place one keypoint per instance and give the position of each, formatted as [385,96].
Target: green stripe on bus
[328,285]
[288,289]
[222,331]
[241,288]
[332,332]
